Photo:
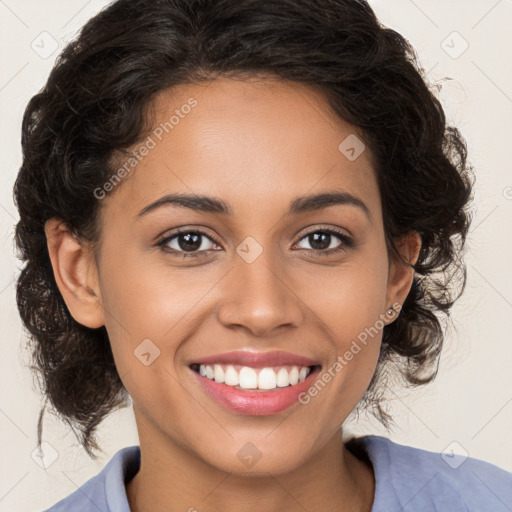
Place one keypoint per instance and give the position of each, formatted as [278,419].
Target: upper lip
[258,359]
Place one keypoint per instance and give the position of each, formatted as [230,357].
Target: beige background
[468,409]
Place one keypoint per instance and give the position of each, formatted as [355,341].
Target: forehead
[250,142]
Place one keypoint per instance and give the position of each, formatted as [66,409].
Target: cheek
[143,293]
[146,295]
[145,299]
[351,303]
[350,297]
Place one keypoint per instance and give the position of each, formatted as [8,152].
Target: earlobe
[401,276]
[76,274]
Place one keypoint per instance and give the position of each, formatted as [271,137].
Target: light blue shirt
[407,480]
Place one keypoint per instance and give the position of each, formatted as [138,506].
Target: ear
[401,276]
[76,273]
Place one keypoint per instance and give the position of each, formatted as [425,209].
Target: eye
[194,243]
[188,243]
[323,241]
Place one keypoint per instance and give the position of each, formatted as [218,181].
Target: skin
[257,145]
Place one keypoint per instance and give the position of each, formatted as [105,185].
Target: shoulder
[105,491]
[417,479]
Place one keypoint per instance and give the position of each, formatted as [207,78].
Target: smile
[246,377]
[255,383]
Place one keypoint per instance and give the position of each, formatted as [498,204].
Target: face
[258,273]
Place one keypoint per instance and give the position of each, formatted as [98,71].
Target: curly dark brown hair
[93,107]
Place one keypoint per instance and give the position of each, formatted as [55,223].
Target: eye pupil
[192,241]
[320,240]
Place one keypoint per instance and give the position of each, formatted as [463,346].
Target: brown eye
[188,243]
[324,241]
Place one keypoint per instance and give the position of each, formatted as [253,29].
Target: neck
[174,479]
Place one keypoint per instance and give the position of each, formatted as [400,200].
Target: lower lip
[256,403]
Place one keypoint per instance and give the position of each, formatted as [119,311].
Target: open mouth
[255,379]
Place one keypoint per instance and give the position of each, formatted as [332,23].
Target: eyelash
[347,243]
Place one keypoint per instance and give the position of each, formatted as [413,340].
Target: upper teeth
[255,378]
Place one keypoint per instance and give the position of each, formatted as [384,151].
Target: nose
[260,296]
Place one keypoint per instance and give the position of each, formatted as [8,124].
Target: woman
[241,216]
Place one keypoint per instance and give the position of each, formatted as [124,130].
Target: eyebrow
[299,205]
